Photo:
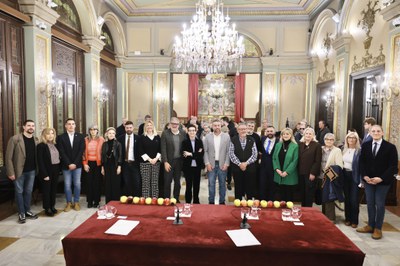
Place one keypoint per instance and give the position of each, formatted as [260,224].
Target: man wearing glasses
[171,144]
[299,134]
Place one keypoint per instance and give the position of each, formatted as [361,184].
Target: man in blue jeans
[21,168]
[71,146]
[378,165]
[216,159]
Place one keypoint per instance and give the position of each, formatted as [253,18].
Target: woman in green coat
[284,160]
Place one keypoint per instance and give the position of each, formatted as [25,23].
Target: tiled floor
[38,242]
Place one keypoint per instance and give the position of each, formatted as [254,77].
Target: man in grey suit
[216,159]
[171,143]
[21,168]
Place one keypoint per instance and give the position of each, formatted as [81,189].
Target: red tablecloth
[202,239]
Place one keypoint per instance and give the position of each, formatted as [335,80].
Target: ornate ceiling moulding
[366,23]
[239,8]
[326,47]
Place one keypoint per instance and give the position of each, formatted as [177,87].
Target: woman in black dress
[49,169]
[111,159]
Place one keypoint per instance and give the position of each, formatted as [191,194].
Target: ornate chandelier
[209,48]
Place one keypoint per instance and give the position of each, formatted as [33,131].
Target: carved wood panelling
[65,60]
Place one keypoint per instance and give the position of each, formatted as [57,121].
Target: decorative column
[92,80]
[392,126]
[342,91]
[38,65]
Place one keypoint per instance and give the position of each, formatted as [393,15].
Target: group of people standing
[266,167]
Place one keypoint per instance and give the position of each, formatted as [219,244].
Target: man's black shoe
[48,212]
[229,187]
[31,215]
[90,205]
[21,218]
[54,210]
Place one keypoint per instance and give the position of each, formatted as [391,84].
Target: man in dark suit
[171,146]
[131,184]
[378,165]
[71,146]
[141,126]
[266,180]
[368,123]
[322,131]
[121,128]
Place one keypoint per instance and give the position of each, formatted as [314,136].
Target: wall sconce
[52,89]
[329,97]
[270,100]
[102,96]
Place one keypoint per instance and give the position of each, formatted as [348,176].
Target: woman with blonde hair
[49,169]
[111,161]
[310,155]
[149,147]
[92,166]
[352,178]
[284,161]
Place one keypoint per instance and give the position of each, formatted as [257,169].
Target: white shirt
[348,159]
[217,145]
[271,146]
[71,138]
[378,145]
[131,157]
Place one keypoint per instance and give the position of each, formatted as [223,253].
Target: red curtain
[193,94]
[239,96]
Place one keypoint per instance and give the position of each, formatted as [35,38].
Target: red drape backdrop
[239,96]
[193,94]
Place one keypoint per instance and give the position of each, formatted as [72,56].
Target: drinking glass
[101,212]
[187,209]
[285,214]
[296,212]
[244,211]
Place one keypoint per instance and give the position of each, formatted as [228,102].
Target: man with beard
[130,166]
[266,181]
[21,168]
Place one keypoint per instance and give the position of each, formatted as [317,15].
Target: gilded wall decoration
[43,107]
[162,101]
[269,101]
[395,113]
[338,94]
[367,22]
[326,47]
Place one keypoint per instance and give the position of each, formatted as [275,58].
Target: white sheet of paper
[243,238]
[122,227]
[298,223]
[122,217]
[250,217]
[171,218]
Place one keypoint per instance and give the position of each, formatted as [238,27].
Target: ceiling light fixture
[210,45]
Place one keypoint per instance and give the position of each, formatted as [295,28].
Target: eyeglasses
[174,124]
[191,130]
[93,129]
[330,139]
[301,128]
